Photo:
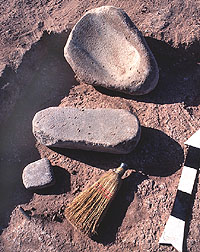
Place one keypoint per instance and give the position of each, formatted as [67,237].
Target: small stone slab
[106,49]
[104,130]
[38,174]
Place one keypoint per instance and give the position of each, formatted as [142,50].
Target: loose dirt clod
[24,213]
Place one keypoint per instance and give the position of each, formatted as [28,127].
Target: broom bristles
[86,211]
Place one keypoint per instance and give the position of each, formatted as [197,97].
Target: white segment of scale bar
[187,179]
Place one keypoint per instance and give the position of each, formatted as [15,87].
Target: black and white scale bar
[173,233]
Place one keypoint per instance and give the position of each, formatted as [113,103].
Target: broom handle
[120,170]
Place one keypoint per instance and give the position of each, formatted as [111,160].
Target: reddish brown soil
[35,75]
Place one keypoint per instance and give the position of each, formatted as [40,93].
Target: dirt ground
[35,75]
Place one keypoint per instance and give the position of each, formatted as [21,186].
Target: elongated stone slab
[106,49]
[104,130]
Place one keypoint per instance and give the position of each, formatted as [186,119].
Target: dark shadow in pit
[156,154]
[62,183]
[113,219]
[42,80]
[179,76]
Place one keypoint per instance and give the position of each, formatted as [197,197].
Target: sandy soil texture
[35,75]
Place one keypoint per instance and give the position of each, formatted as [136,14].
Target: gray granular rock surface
[106,49]
[104,130]
[38,174]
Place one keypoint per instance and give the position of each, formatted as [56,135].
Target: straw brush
[86,211]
